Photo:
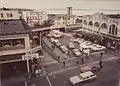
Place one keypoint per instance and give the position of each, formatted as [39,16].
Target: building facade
[63,19]
[5,15]
[104,26]
[16,44]
[35,17]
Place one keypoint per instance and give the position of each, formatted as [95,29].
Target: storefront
[13,64]
[111,42]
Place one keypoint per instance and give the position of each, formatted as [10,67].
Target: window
[68,18]
[7,14]
[11,15]
[2,15]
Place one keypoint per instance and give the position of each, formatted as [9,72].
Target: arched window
[2,15]
[113,29]
[85,22]
[11,15]
[96,24]
[78,21]
[91,23]
[104,26]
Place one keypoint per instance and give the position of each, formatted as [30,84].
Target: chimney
[69,10]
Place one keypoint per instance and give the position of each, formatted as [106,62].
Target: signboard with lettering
[30,56]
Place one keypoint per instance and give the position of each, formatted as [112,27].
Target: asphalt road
[108,76]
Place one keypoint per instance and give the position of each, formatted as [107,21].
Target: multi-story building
[102,27]
[63,20]
[16,43]
[35,17]
[5,15]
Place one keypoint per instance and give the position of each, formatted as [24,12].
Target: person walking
[63,63]
[58,58]
[82,60]
[101,54]
[101,64]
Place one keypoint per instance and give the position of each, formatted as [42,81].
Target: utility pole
[40,38]
[28,66]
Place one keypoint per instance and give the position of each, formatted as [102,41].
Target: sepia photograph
[59,42]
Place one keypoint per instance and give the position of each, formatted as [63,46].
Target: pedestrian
[82,60]
[58,58]
[63,63]
[106,51]
[101,64]
[101,54]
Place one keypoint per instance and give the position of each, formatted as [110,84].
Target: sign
[30,56]
[34,50]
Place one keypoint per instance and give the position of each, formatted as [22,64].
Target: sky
[62,4]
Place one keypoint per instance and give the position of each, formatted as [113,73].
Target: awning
[86,34]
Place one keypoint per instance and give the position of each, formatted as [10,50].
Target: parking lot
[67,46]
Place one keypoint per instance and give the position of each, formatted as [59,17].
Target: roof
[75,79]
[10,26]
[86,74]
[116,16]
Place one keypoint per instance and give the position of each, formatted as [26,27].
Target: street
[108,76]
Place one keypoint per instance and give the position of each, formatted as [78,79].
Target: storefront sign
[30,56]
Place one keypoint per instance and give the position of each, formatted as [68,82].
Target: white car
[56,35]
[89,75]
[58,44]
[96,47]
[52,39]
[76,40]
[64,49]
[76,52]
[50,35]
[71,46]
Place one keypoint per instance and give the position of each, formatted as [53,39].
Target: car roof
[86,74]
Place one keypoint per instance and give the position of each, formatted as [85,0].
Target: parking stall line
[56,72]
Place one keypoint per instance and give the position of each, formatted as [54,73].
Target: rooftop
[116,16]
[11,26]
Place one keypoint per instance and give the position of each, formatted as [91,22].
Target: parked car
[58,44]
[64,49]
[56,35]
[76,80]
[52,40]
[50,35]
[76,40]
[76,52]
[96,47]
[71,45]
